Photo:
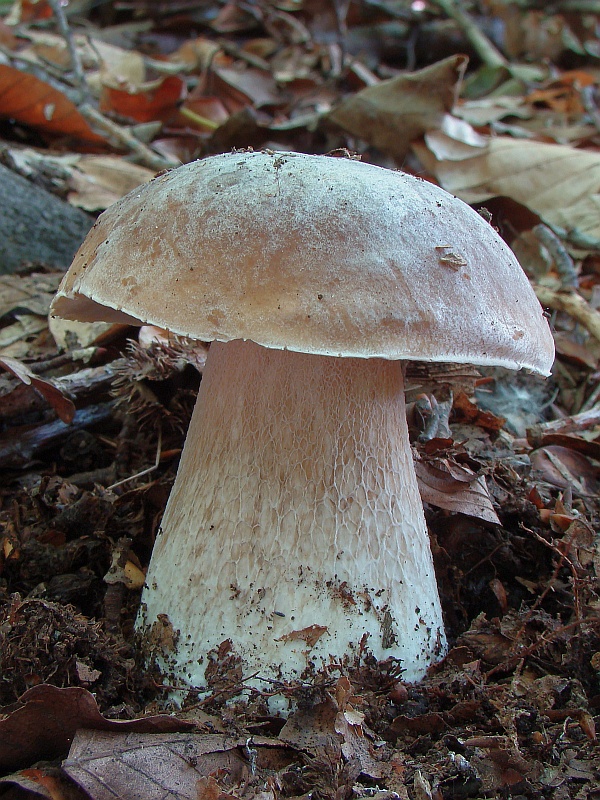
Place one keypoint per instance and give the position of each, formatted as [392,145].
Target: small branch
[573,304]
[563,261]
[575,424]
[146,471]
[486,51]
[63,25]
[236,52]
[512,661]
[145,155]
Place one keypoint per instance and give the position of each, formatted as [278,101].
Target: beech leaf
[456,488]
[34,102]
[391,114]
[559,183]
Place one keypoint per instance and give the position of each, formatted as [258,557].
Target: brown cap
[310,253]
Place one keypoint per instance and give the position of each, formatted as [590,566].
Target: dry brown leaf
[455,488]
[43,782]
[118,67]
[151,766]
[560,183]
[392,114]
[31,292]
[310,635]
[208,789]
[311,729]
[151,101]
[563,467]
[65,408]
[238,88]
[42,724]
[98,181]
[356,745]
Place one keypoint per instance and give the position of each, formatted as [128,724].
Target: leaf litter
[508,470]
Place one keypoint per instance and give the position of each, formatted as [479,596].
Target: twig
[23,444]
[63,24]
[573,304]
[486,51]
[585,420]
[540,642]
[146,471]
[121,137]
[563,558]
[145,155]
[563,261]
[244,55]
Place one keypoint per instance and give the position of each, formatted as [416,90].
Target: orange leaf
[32,10]
[33,102]
[144,105]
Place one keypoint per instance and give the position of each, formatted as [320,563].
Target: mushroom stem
[295,525]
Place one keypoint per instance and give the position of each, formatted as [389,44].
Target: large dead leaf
[42,724]
[32,293]
[392,114]
[561,184]
[148,766]
[98,181]
[334,727]
[152,766]
[33,102]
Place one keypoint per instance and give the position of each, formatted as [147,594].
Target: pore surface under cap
[310,253]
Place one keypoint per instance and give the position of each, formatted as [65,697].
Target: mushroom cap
[316,254]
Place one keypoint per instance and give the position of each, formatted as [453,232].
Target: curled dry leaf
[392,114]
[464,410]
[65,408]
[454,487]
[42,724]
[563,467]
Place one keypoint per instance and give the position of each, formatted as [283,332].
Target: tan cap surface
[310,253]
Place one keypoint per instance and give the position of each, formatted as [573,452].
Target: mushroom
[294,537]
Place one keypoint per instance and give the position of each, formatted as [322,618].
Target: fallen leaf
[46,781]
[562,467]
[33,293]
[151,101]
[33,102]
[455,488]
[310,635]
[98,181]
[42,724]
[145,766]
[560,183]
[356,745]
[208,789]
[392,114]
[65,408]
[466,411]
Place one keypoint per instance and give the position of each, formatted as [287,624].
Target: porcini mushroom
[295,531]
